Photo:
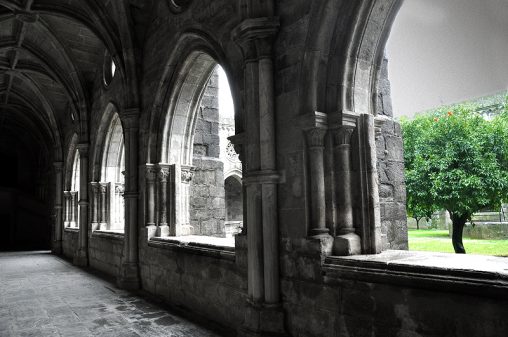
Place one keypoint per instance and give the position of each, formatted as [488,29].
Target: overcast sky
[447,51]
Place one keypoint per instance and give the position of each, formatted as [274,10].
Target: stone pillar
[186,175]
[315,144]
[103,206]
[347,242]
[95,188]
[57,243]
[162,188]
[119,206]
[150,194]
[129,273]
[81,258]
[264,315]
[67,208]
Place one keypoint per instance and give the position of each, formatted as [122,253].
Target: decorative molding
[187,174]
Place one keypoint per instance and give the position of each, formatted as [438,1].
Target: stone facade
[321,163]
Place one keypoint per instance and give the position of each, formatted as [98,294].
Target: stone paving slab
[43,295]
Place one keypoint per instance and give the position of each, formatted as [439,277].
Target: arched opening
[234,205]
[110,201]
[195,153]
[438,61]
[72,215]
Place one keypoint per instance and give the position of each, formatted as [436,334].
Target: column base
[81,258]
[262,320]
[129,277]
[162,230]
[317,233]
[347,244]
[56,248]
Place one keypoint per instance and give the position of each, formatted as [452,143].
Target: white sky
[226,107]
[447,51]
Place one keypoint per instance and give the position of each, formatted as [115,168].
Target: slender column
[95,188]
[343,177]
[57,243]
[347,241]
[186,175]
[315,143]
[150,194]
[67,208]
[268,167]
[74,208]
[129,275]
[162,188]
[81,257]
[103,206]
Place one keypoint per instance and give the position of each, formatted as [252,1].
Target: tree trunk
[458,223]
[418,223]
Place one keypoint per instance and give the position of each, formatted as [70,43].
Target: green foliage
[455,160]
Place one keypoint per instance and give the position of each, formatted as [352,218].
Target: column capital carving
[58,165]
[187,174]
[151,172]
[163,174]
[67,193]
[130,117]
[103,187]
[83,149]
[342,135]
[119,188]
[316,137]
[95,186]
[255,36]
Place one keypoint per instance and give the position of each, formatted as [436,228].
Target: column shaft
[57,245]
[315,139]
[150,195]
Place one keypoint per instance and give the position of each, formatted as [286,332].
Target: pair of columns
[71,209]
[347,241]
[107,205]
[168,198]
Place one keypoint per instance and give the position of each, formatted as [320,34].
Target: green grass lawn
[439,241]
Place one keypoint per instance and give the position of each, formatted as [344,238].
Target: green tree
[456,160]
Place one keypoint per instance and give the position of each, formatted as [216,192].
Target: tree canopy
[455,159]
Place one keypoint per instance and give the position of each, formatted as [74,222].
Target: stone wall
[105,252]
[207,205]
[210,282]
[390,166]
[69,242]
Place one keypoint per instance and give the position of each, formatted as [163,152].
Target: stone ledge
[71,229]
[119,236]
[473,274]
[209,246]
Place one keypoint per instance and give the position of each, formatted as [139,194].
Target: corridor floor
[43,295]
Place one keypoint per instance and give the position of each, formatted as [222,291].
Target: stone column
[150,194]
[95,188]
[57,243]
[347,242]
[129,273]
[315,144]
[67,208]
[103,206]
[119,205]
[162,188]
[74,208]
[186,175]
[81,258]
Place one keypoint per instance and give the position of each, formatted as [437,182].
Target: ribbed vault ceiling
[50,54]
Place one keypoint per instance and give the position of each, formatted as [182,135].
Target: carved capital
[342,135]
[255,36]
[163,174]
[130,118]
[58,165]
[316,137]
[151,173]
[95,187]
[119,188]
[187,174]
[83,149]
[103,188]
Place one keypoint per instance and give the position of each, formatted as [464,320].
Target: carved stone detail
[342,135]
[316,137]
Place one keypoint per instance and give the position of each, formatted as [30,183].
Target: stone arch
[109,114]
[189,46]
[113,155]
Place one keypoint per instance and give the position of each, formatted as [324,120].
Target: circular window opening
[109,69]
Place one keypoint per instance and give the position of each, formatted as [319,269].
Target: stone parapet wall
[105,252]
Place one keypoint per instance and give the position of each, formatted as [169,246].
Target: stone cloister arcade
[115,103]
